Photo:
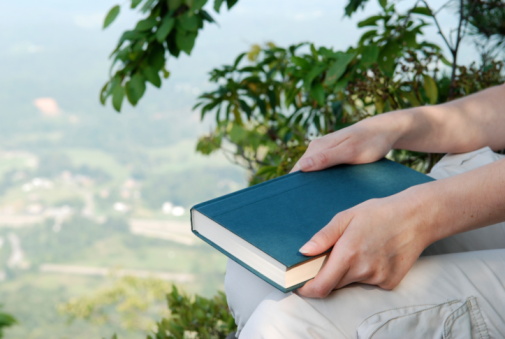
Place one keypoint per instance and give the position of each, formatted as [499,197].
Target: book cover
[275,218]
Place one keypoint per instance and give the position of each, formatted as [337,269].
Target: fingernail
[306,163]
[308,248]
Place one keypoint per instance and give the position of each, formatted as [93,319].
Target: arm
[379,240]
[458,126]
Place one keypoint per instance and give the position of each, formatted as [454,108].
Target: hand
[366,141]
[374,243]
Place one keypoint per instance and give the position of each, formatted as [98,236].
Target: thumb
[326,237]
[323,159]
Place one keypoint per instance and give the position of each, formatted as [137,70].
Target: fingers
[363,142]
[325,281]
[334,269]
[323,153]
[327,236]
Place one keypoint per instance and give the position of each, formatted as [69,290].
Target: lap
[458,295]
[445,291]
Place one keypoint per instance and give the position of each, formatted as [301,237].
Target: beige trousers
[455,290]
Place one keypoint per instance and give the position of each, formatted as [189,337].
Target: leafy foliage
[272,100]
[268,108]
[185,316]
[486,16]
[135,300]
[140,57]
[6,320]
[196,317]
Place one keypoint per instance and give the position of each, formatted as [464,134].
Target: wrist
[425,213]
[391,127]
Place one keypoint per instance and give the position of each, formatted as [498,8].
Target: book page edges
[251,257]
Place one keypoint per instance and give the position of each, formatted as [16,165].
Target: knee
[244,291]
[265,322]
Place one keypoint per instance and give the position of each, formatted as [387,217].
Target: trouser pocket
[452,319]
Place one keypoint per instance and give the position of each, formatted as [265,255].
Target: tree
[6,320]
[140,57]
[268,109]
[132,298]
[171,27]
[272,100]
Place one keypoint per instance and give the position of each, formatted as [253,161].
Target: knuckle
[341,221]
[320,291]
[314,144]
[384,280]
[387,285]
[351,256]
[324,236]
[322,159]
[364,273]
[352,152]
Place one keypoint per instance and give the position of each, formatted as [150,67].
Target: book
[262,227]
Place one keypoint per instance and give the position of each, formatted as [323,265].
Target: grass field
[84,244]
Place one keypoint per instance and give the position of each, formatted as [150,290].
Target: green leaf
[367,35]
[130,35]
[411,98]
[208,144]
[369,55]
[337,69]
[445,61]
[189,22]
[383,3]
[371,21]
[317,92]
[353,6]
[185,41]
[148,5]
[166,26]
[327,53]
[314,72]
[174,4]
[111,16]
[117,97]
[430,88]
[409,39]
[379,104]
[198,4]
[237,134]
[388,55]
[156,56]
[217,5]
[422,10]
[245,108]
[300,62]
[238,59]
[146,24]
[135,88]
[152,76]
[104,92]
[135,3]
[206,16]
[172,45]
[231,3]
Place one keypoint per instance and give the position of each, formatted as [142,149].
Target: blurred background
[89,196]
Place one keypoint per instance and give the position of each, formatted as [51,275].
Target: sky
[57,48]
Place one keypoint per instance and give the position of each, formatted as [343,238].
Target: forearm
[461,203]
[458,126]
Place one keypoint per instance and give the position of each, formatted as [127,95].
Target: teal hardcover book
[262,227]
